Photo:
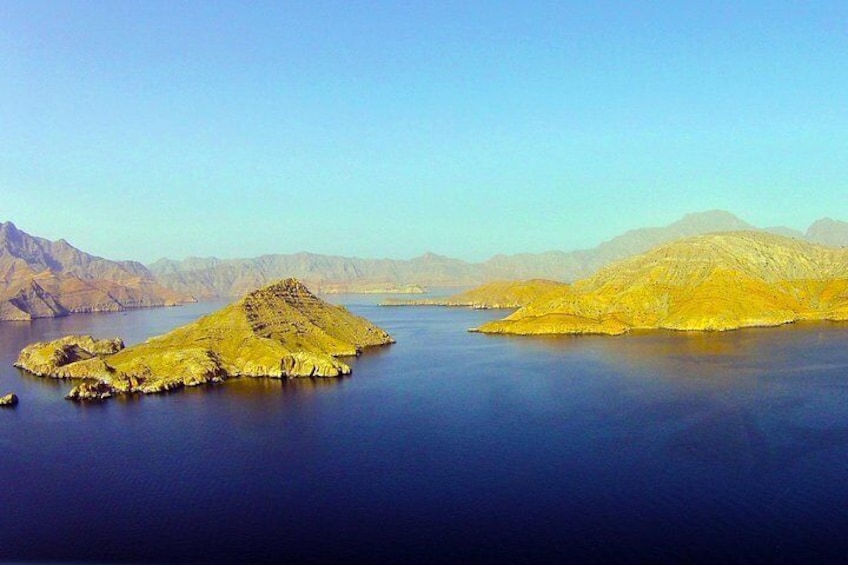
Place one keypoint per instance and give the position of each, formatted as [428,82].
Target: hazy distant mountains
[44,279]
[211,276]
[41,278]
[832,233]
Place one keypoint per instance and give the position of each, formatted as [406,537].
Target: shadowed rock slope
[45,279]
[710,282]
[499,294]
[279,331]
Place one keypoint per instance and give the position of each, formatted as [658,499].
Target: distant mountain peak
[830,232]
[719,220]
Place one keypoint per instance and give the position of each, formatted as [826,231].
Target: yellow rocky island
[493,295]
[710,282]
[279,331]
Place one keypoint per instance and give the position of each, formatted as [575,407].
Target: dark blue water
[445,447]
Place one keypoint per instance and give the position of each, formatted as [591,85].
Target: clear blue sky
[384,129]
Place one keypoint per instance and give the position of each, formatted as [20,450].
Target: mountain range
[206,277]
[42,278]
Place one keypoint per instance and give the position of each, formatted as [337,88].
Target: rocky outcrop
[494,295]
[71,357]
[706,283]
[279,331]
[10,399]
[91,391]
[46,279]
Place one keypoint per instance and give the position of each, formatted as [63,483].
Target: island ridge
[279,331]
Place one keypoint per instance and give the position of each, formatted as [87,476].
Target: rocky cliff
[494,295]
[280,331]
[710,282]
[44,279]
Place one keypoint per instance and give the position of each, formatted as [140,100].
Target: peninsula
[279,331]
[710,282]
[494,295]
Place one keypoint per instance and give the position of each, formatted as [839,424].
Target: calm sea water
[445,447]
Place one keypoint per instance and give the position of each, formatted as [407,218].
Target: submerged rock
[279,331]
[10,399]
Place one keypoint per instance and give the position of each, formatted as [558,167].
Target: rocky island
[494,295]
[711,282]
[10,399]
[279,331]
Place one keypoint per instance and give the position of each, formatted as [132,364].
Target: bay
[447,446]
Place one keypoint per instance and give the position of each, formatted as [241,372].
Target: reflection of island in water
[747,352]
[718,398]
[304,386]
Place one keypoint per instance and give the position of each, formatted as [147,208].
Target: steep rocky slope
[281,331]
[710,282]
[44,279]
[498,294]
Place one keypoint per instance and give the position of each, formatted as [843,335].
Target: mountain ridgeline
[41,278]
[45,279]
[206,277]
[709,282]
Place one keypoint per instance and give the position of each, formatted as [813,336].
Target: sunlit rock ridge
[45,279]
[494,295]
[279,331]
[710,282]
[233,277]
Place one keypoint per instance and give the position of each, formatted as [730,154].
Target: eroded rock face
[279,331]
[10,399]
[713,282]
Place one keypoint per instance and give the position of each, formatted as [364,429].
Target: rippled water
[446,446]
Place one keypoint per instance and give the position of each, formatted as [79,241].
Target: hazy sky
[385,129]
